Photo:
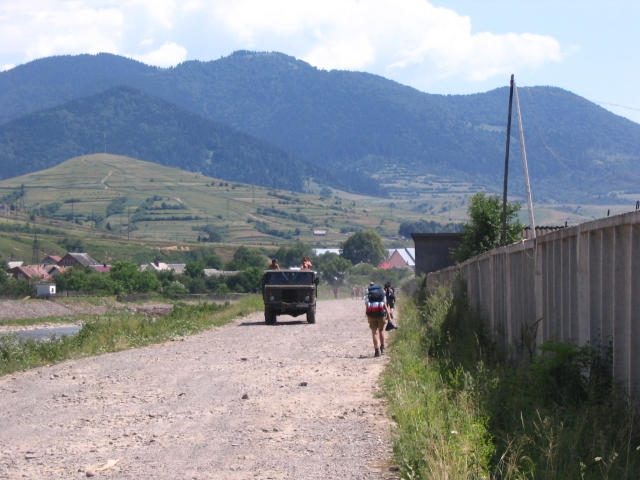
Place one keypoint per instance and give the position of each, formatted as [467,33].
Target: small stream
[46,333]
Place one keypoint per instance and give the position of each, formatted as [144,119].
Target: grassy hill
[113,206]
[156,202]
[355,125]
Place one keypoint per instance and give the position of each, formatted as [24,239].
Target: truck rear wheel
[269,317]
[311,315]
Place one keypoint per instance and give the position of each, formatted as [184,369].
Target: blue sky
[441,46]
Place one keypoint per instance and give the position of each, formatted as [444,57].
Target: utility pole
[227,209]
[129,224]
[525,167]
[503,239]
[34,253]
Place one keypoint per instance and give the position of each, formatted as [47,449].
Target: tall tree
[365,246]
[482,232]
[335,271]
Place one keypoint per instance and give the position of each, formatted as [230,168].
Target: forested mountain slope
[141,126]
[351,124]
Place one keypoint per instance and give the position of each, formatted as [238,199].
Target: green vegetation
[484,229]
[365,246]
[115,332]
[352,125]
[424,226]
[172,136]
[463,410]
[196,206]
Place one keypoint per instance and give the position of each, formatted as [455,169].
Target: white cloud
[167,55]
[38,28]
[409,40]
[386,36]
[7,66]
[158,11]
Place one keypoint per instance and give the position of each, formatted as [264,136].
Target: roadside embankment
[465,410]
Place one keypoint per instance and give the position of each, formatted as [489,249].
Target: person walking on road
[390,295]
[376,311]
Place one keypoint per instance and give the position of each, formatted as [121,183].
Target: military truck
[289,292]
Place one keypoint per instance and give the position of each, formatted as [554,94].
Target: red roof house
[51,260]
[32,272]
[77,260]
[101,268]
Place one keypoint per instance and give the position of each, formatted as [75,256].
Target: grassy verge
[464,411]
[114,332]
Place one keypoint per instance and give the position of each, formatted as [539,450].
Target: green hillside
[120,196]
[131,123]
[355,124]
[120,208]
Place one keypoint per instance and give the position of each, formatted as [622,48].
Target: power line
[578,97]
[560,158]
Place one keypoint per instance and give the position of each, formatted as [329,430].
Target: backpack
[376,309]
[376,294]
[391,295]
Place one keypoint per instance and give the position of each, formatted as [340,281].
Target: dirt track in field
[176,410]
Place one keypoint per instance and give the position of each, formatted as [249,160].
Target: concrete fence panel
[579,284]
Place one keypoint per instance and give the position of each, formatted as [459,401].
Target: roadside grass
[114,332]
[464,410]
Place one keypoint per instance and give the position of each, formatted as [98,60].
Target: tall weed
[464,410]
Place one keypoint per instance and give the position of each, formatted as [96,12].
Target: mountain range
[342,128]
[125,120]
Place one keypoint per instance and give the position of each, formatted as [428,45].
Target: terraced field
[155,202]
[126,208]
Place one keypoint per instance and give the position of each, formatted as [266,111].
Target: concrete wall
[433,251]
[580,284]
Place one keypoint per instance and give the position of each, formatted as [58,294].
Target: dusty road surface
[176,410]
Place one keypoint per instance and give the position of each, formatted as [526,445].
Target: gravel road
[176,410]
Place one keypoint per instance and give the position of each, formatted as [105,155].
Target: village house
[54,270]
[102,268]
[45,289]
[51,260]
[158,266]
[77,260]
[401,258]
[31,272]
[5,209]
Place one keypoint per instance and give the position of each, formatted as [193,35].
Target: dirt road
[176,410]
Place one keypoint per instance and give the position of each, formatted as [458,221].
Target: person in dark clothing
[391,298]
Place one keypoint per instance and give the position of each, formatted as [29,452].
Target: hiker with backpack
[376,310]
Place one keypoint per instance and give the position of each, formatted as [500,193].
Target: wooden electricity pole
[503,239]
